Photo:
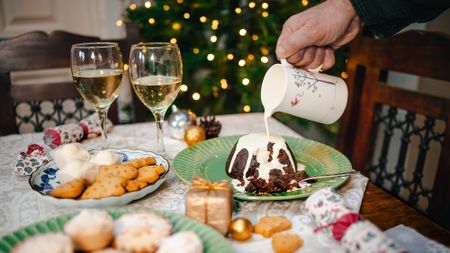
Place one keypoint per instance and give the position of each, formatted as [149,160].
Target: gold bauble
[241,229]
[194,135]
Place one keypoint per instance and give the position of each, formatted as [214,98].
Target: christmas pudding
[263,165]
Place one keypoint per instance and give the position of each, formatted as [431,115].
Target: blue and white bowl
[45,179]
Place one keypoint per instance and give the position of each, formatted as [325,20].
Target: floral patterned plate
[207,159]
[45,179]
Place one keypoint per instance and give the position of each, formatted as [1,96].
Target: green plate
[212,240]
[207,159]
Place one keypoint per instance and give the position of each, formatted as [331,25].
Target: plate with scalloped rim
[207,159]
[213,241]
[45,179]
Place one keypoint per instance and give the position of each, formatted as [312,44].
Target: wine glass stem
[103,115]
[159,119]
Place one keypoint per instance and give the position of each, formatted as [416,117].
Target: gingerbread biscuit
[137,163]
[108,186]
[127,172]
[150,174]
[269,225]
[134,185]
[286,243]
[69,190]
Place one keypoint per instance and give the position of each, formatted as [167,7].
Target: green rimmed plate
[207,159]
[212,240]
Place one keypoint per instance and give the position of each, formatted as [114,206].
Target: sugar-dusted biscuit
[108,186]
[125,171]
[269,225]
[134,185]
[70,189]
[150,174]
[286,243]
[137,163]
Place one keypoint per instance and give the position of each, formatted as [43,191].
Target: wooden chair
[375,106]
[37,51]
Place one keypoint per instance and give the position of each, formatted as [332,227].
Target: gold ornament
[194,135]
[241,229]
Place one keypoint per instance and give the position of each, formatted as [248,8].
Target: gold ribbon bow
[203,183]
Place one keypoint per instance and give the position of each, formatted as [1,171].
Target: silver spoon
[341,174]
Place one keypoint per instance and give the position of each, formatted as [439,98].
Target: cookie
[269,225]
[137,163]
[286,243]
[150,174]
[48,243]
[125,171]
[134,185]
[70,190]
[108,186]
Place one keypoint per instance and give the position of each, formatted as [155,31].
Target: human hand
[309,38]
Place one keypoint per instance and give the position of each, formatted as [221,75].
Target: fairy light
[264,59]
[252,5]
[203,19]
[125,67]
[176,26]
[230,56]
[215,24]
[166,7]
[344,75]
[242,32]
[196,96]
[238,10]
[210,57]
[247,108]
[173,40]
[251,57]
[151,21]
[264,50]
[213,38]
[119,22]
[183,88]
[245,81]
[186,15]
[215,91]
[305,2]
[223,84]
[265,5]
[264,14]
[255,37]
[241,63]
[195,50]
[133,6]
[180,1]
[147,4]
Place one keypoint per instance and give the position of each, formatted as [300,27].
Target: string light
[213,38]
[264,50]
[344,75]
[125,67]
[223,84]
[215,24]
[241,63]
[264,14]
[215,91]
[238,10]
[183,87]
[166,7]
[173,40]
[242,32]
[195,50]
[264,59]
[230,56]
[180,1]
[151,21]
[251,5]
[247,108]
[255,37]
[265,5]
[196,96]
[119,22]
[176,26]
[203,19]
[186,15]
[251,57]
[133,6]
[210,57]
[147,4]
[245,81]
[305,2]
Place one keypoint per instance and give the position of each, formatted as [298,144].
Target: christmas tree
[226,47]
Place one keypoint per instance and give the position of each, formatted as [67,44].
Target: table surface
[20,207]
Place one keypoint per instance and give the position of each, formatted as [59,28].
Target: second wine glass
[156,71]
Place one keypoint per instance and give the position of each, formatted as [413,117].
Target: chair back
[400,138]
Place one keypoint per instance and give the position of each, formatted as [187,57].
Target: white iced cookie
[68,152]
[78,169]
[140,232]
[106,157]
[48,243]
[90,230]
[186,241]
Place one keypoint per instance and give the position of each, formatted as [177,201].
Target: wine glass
[97,71]
[156,71]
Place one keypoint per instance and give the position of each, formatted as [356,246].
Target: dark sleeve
[386,17]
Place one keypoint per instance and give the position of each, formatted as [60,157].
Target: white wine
[157,92]
[100,87]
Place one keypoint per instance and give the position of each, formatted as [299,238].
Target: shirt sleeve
[386,17]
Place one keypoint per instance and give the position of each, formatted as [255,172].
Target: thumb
[290,44]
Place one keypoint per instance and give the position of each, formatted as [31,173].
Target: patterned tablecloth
[19,206]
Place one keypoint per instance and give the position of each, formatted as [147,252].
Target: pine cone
[211,126]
